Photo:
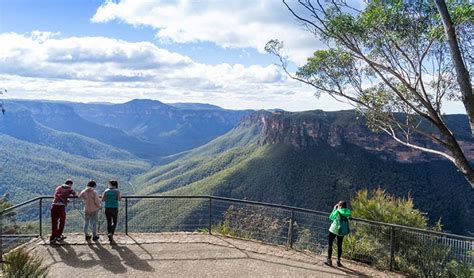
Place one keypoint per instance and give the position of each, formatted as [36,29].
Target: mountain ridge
[148,129]
[313,175]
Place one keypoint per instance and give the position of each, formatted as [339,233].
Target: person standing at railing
[58,210]
[338,229]
[91,209]
[111,197]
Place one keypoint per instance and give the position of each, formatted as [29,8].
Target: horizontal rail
[18,235]
[20,205]
[431,232]
[165,197]
[262,204]
[269,205]
[352,218]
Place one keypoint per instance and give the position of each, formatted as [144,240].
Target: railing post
[1,237]
[40,215]
[392,247]
[210,216]
[289,244]
[126,216]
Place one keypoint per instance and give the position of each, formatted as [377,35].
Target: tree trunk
[462,74]
[460,160]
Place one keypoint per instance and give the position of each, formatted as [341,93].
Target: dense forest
[314,176]
[309,159]
[29,170]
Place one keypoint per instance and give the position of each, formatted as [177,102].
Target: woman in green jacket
[339,228]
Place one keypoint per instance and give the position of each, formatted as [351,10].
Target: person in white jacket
[91,209]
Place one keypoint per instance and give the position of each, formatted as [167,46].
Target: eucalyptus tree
[2,106]
[391,60]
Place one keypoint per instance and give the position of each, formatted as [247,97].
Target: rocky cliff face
[314,128]
[301,132]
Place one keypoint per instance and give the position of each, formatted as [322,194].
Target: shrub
[20,263]
[304,240]
[379,206]
[459,270]
[415,253]
[251,223]
[366,250]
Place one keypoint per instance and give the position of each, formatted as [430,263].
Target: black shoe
[338,263]
[95,238]
[111,237]
[328,262]
[88,238]
[53,241]
[61,237]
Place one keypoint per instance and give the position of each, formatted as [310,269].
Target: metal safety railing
[383,245]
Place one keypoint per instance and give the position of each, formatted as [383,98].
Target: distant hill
[147,129]
[194,106]
[313,159]
[62,117]
[44,142]
[28,170]
[171,129]
[20,123]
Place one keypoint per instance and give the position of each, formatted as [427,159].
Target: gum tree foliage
[2,107]
[4,204]
[8,224]
[391,60]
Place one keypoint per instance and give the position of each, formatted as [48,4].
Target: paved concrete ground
[185,255]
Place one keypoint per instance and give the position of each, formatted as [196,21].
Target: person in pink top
[58,210]
[91,209]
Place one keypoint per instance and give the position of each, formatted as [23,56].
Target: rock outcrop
[314,128]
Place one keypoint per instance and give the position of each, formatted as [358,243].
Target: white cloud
[86,58]
[230,24]
[46,66]
[291,98]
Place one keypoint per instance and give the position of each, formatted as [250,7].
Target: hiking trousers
[111,215]
[58,220]
[339,245]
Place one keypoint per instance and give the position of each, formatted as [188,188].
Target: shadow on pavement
[104,258]
[131,259]
[107,260]
[246,252]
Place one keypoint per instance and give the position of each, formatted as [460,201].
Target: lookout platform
[185,255]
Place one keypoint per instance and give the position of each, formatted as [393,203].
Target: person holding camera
[338,229]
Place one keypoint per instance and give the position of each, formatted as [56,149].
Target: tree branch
[392,134]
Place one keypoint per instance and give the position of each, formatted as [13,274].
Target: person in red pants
[58,210]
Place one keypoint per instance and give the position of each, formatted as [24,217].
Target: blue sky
[73,18]
[174,51]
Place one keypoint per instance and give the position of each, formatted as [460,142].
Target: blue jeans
[91,219]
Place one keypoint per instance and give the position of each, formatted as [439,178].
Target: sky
[208,51]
